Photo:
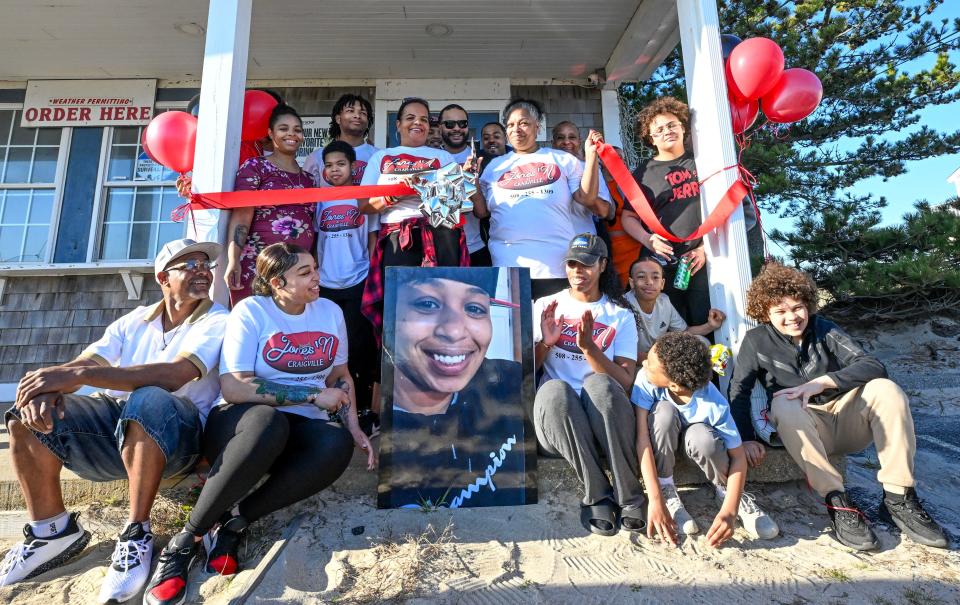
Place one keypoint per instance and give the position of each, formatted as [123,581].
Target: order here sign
[88,103]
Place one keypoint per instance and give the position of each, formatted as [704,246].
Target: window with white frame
[138,196]
[28,188]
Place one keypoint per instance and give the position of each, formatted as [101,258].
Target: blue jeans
[90,437]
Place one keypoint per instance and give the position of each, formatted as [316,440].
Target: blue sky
[923,180]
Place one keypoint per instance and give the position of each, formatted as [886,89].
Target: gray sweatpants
[701,442]
[572,426]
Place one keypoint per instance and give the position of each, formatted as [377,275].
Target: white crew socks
[45,528]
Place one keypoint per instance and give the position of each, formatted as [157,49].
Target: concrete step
[777,468]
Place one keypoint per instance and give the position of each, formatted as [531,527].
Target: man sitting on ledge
[825,396]
[158,366]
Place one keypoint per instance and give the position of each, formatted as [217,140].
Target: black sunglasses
[193,265]
[452,123]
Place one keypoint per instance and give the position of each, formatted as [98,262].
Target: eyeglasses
[659,132]
[194,265]
[457,123]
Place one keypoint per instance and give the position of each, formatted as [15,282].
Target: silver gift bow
[445,193]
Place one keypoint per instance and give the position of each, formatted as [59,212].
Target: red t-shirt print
[340,218]
[407,164]
[684,183]
[603,335]
[528,176]
[356,173]
[301,352]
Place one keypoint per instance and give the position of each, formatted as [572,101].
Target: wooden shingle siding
[574,103]
[49,320]
[320,101]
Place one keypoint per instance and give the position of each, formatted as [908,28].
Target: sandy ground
[337,548]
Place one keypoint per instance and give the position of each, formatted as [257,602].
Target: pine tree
[865,53]
[880,273]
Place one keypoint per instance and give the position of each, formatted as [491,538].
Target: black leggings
[364,357]
[244,442]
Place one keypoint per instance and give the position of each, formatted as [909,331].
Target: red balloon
[171,138]
[795,95]
[754,67]
[257,106]
[744,114]
[143,145]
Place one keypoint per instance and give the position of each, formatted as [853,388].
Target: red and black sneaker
[850,526]
[223,544]
[168,586]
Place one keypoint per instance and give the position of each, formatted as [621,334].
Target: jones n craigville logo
[301,352]
[356,173]
[602,335]
[528,176]
[407,164]
[340,218]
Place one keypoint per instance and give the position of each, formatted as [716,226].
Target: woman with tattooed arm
[253,229]
[287,411]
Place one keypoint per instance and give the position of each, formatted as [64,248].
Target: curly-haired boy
[825,396]
[675,400]
[669,180]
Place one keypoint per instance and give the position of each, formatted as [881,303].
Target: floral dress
[291,223]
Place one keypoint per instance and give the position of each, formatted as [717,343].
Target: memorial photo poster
[457,390]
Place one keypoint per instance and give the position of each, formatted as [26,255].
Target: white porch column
[221,112]
[610,106]
[713,147]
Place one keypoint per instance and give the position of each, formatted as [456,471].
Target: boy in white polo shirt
[158,368]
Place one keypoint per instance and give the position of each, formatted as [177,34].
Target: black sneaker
[908,514]
[168,586]
[223,544]
[850,527]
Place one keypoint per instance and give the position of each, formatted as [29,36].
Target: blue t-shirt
[706,405]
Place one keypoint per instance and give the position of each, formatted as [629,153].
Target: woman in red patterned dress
[253,229]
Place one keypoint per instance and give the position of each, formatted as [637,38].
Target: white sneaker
[36,555]
[129,565]
[755,521]
[685,523]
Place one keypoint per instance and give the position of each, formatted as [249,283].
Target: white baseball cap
[180,247]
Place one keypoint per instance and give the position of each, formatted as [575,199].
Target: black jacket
[773,359]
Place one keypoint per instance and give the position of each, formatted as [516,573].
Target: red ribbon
[280,197]
[641,204]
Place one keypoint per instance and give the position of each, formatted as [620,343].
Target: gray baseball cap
[171,251]
[586,249]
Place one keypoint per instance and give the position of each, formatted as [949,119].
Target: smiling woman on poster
[455,433]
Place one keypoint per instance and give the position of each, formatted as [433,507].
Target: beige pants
[878,412]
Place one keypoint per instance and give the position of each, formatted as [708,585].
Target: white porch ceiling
[340,39]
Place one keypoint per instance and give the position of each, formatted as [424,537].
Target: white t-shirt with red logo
[342,252]
[389,166]
[314,164]
[533,215]
[614,331]
[296,350]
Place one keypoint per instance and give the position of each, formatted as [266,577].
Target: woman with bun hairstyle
[287,412]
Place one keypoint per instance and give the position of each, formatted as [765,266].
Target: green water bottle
[682,280]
